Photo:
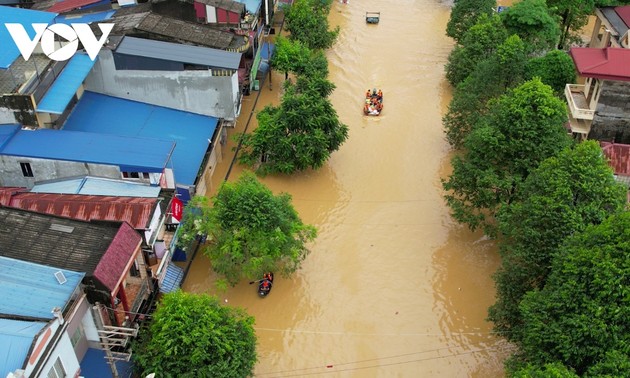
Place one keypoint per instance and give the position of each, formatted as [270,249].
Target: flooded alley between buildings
[393,286]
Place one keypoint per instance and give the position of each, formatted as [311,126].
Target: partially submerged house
[599,104]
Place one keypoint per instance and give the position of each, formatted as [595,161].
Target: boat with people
[373,102]
[264,285]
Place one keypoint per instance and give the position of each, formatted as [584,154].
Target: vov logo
[46,34]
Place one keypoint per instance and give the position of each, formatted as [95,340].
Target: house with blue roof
[27,156]
[43,320]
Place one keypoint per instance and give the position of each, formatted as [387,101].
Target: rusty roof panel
[136,211]
[6,192]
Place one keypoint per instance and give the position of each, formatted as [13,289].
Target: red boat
[373,102]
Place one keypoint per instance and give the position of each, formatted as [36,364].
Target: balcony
[578,104]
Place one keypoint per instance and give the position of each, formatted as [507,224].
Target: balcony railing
[578,105]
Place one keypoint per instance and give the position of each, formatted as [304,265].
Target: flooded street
[393,287]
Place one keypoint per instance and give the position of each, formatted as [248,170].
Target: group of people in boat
[373,102]
[265,284]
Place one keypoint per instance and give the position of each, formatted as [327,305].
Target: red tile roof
[68,5]
[6,192]
[610,63]
[136,211]
[618,156]
[624,14]
[117,259]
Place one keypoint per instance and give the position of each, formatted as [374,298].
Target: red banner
[177,208]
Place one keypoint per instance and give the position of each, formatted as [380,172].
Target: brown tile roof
[6,192]
[618,156]
[610,63]
[136,211]
[118,258]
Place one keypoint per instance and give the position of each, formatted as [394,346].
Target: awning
[172,278]
[267,50]
[66,85]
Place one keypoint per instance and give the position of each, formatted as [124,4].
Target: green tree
[555,69]
[465,14]
[523,127]
[192,335]
[479,43]
[562,196]
[551,370]
[299,134]
[249,230]
[573,15]
[614,364]
[307,22]
[491,78]
[532,21]
[581,315]
[295,57]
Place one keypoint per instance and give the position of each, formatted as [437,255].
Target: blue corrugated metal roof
[172,278]
[97,186]
[17,337]
[66,84]
[7,132]
[146,154]
[29,289]
[26,17]
[98,113]
[85,18]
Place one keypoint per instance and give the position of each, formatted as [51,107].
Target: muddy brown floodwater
[393,287]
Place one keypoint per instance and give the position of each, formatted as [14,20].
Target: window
[76,336]
[57,370]
[26,169]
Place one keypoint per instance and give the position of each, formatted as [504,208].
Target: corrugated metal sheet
[97,186]
[152,155]
[68,5]
[120,252]
[133,210]
[33,237]
[9,51]
[252,6]
[618,156]
[17,337]
[192,132]
[7,192]
[179,53]
[66,85]
[172,278]
[29,289]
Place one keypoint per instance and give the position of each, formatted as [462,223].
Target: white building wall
[65,352]
[193,91]
[44,169]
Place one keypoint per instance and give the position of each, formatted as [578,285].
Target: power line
[331,366]
[480,333]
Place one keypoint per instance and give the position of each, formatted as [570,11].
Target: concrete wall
[193,91]
[44,169]
[612,116]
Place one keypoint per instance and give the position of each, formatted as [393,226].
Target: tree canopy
[562,196]
[581,316]
[555,69]
[192,335]
[307,22]
[532,21]
[523,127]
[476,45]
[299,134]
[292,56]
[465,14]
[249,230]
[491,78]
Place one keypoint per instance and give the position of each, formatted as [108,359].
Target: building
[618,156]
[599,104]
[45,323]
[27,156]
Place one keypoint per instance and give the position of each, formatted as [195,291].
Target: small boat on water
[373,102]
[264,285]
